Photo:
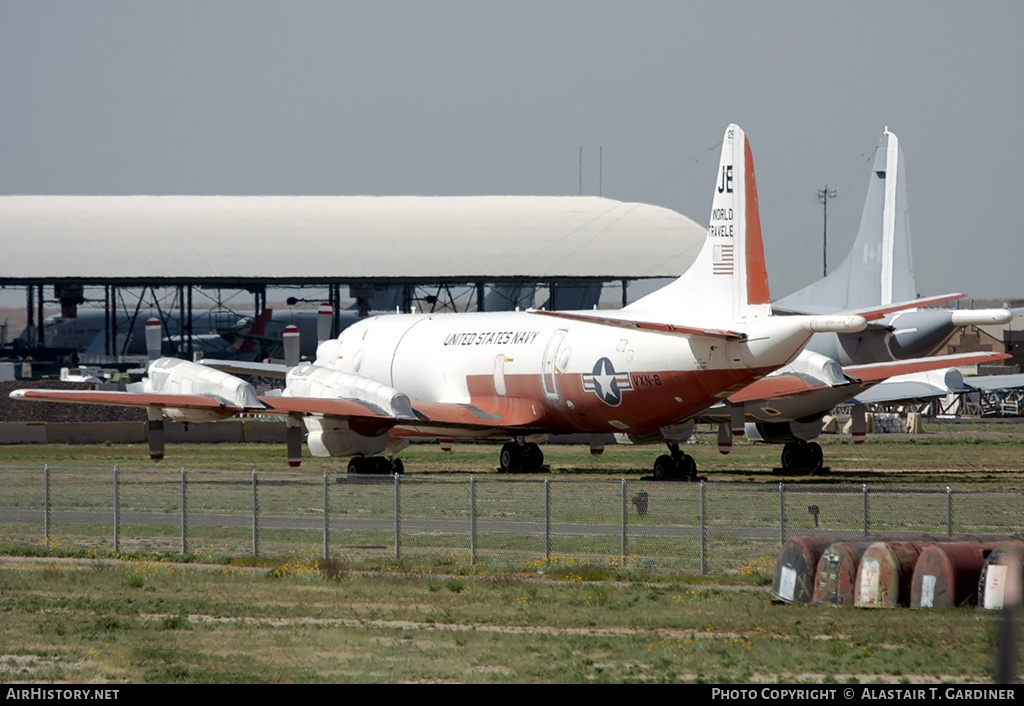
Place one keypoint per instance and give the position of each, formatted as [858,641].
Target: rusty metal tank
[1001,578]
[946,575]
[836,575]
[795,567]
[885,574]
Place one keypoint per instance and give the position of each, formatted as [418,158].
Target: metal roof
[307,239]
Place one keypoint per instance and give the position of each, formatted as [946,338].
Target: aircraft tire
[398,466]
[814,455]
[790,455]
[510,456]
[534,457]
[688,468]
[664,467]
[355,464]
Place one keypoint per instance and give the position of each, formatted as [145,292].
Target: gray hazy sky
[480,97]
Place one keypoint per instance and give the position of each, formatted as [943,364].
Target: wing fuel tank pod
[885,574]
[946,575]
[795,568]
[835,578]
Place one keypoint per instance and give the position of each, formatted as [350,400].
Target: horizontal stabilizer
[874,313]
[672,329]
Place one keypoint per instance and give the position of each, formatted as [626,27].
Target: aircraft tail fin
[259,326]
[729,272]
[879,270]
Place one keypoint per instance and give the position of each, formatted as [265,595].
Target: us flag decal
[722,261]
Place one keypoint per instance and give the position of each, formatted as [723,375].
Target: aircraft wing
[995,382]
[882,371]
[497,412]
[239,367]
[130,399]
[779,386]
[908,388]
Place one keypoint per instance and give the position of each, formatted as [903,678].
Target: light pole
[824,195]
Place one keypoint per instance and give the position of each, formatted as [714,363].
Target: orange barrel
[794,568]
[946,575]
[1000,581]
[836,575]
[885,574]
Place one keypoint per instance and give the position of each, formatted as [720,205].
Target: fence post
[547,519]
[46,503]
[622,546]
[865,486]
[116,518]
[398,527]
[472,519]
[703,536]
[327,523]
[782,515]
[255,518]
[949,511]
[184,515]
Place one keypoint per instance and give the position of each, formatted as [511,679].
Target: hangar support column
[40,329]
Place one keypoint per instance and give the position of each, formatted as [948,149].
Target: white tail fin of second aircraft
[880,268]
[729,274]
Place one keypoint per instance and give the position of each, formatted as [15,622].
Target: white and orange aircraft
[518,376]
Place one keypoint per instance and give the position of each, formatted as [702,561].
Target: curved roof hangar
[314,239]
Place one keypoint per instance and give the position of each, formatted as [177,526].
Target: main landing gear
[520,456]
[801,457]
[376,465]
[676,465]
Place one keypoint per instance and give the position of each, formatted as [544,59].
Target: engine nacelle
[311,380]
[171,375]
[783,432]
[334,438]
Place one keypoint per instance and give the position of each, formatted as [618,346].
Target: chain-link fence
[497,520]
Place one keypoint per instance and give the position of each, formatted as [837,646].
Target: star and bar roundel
[606,383]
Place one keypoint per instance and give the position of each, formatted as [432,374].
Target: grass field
[139,621]
[990,454]
[293,619]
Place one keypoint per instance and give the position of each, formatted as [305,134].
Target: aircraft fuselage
[576,377]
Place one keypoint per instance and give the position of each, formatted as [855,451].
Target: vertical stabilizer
[879,269]
[728,278]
